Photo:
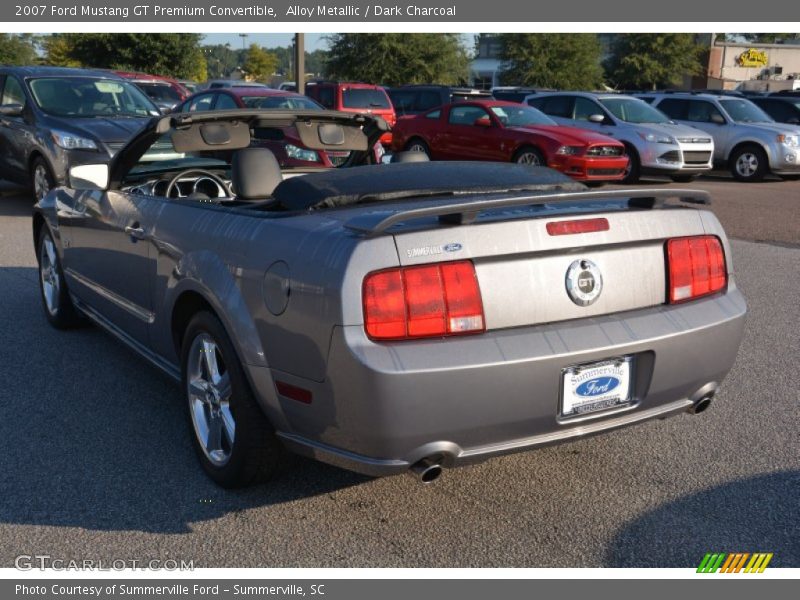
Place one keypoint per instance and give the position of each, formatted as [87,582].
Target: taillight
[696,267]
[423,301]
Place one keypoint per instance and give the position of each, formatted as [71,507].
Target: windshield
[521,116]
[365,98]
[160,92]
[744,111]
[90,97]
[633,110]
[287,102]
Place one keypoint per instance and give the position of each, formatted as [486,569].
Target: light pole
[300,62]
[244,37]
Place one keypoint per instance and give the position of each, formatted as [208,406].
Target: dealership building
[764,67]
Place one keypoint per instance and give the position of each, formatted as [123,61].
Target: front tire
[528,155]
[231,436]
[418,145]
[58,307]
[749,164]
[633,172]
[42,180]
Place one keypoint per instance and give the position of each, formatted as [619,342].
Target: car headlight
[657,138]
[70,141]
[793,141]
[569,150]
[293,151]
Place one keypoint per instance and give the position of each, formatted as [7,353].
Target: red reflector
[424,301]
[293,392]
[696,267]
[577,226]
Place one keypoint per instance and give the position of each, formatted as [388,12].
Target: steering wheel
[195,172]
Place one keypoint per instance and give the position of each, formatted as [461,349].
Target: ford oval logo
[597,386]
[454,247]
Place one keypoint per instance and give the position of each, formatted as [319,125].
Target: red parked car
[165,92]
[355,97]
[284,142]
[507,131]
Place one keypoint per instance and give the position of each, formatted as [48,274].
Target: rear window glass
[365,98]
[286,102]
[160,91]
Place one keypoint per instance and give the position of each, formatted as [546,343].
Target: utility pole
[300,62]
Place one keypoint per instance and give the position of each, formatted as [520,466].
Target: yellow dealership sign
[752,58]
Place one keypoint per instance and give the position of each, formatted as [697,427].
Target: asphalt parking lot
[96,461]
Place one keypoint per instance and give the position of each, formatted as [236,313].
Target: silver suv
[656,145]
[747,140]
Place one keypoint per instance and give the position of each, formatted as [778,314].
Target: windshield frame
[131,88]
[648,108]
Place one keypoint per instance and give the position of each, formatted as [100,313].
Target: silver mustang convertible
[386,318]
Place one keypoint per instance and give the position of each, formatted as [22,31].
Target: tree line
[547,60]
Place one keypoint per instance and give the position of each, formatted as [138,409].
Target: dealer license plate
[595,387]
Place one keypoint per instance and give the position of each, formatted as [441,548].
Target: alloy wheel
[48,271]
[747,164]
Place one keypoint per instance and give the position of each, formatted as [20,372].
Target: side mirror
[89,177]
[597,118]
[11,110]
[717,118]
[483,122]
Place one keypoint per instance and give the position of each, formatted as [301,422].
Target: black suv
[416,99]
[52,118]
[784,108]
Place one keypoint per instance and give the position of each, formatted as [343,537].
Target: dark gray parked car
[387,318]
[52,118]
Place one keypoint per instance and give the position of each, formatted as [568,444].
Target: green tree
[397,58]
[653,60]
[222,60]
[258,63]
[567,61]
[57,51]
[18,49]
[173,54]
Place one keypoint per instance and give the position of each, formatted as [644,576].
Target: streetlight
[244,37]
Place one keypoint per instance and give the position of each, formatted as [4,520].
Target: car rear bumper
[384,407]
[591,169]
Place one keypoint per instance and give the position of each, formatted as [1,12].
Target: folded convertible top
[375,183]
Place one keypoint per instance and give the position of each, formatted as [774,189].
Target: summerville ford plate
[596,387]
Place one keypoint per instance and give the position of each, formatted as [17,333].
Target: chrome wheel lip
[49,276]
[40,183]
[529,158]
[747,164]
[209,395]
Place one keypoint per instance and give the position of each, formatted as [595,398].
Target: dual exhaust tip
[429,469]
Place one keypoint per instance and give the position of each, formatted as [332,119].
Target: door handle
[136,232]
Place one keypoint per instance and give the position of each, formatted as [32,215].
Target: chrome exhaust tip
[426,470]
[701,405]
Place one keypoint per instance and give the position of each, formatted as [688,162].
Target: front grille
[671,156]
[694,140]
[696,158]
[604,171]
[604,151]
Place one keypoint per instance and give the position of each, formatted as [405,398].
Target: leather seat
[255,173]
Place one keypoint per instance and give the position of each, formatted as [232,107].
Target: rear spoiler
[464,213]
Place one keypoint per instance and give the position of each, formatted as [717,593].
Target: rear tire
[528,155]
[233,439]
[58,307]
[633,171]
[418,145]
[749,163]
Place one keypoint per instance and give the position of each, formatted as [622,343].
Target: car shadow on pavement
[92,436]
[764,510]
